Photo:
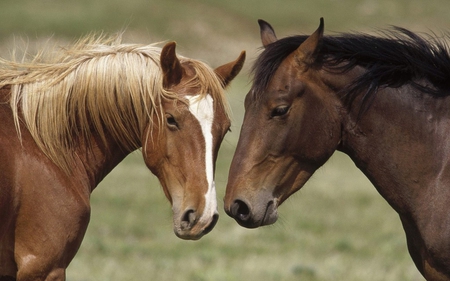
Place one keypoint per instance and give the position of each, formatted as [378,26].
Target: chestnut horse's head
[289,130]
[181,148]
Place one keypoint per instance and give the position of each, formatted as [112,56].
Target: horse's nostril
[188,219]
[240,210]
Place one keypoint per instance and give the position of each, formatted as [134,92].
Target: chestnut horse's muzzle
[192,226]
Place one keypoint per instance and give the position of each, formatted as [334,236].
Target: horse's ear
[308,50]
[170,65]
[228,71]
[267,33]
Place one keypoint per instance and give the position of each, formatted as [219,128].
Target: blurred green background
[336,228]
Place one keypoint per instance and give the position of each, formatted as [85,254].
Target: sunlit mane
[98,85]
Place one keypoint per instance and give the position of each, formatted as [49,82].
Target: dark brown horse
[65,124]
[383,100]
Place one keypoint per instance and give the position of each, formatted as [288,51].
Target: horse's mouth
[196,231]
[270,215]
[211,225]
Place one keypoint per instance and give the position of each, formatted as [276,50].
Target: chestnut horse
[66,123]
[383,100]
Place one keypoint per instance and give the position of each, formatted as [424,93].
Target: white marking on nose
[203,110]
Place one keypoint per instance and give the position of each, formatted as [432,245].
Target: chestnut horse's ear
[267,33]
[228,71]
[170,65]
[308,50]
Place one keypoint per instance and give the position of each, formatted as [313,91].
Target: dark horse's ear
[267,33]
[308,50]
[171,66]
[228,71]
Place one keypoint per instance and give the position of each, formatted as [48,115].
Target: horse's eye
[279,111]
[171,122]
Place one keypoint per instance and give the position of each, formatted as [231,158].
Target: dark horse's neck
[401,144]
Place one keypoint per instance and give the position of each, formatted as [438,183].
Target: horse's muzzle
[191,227]
[252,217]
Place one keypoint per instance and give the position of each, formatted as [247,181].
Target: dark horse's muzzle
[263,212]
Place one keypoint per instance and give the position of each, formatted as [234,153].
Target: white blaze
[203,110]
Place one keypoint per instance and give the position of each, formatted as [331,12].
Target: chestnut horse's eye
[279,111]
[171,122]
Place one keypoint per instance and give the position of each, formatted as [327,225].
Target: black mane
[393,59]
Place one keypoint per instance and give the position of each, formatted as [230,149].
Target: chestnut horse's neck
[93,161]
[99,159]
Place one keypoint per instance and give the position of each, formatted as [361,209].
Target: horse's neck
[97,159]
[400,142]
[5,94]
[93,159]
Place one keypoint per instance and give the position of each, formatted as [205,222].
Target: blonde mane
[98,85]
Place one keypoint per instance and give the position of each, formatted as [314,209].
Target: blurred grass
[336,228]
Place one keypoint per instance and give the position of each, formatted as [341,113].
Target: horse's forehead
[288,70]
[202,107]
[286,74]
[206,108]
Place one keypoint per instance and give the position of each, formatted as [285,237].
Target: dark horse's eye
[171,121]
[279,111]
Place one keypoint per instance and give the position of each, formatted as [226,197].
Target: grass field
[336,228]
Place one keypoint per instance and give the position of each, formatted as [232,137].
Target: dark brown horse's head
[289,130]
[182,149]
